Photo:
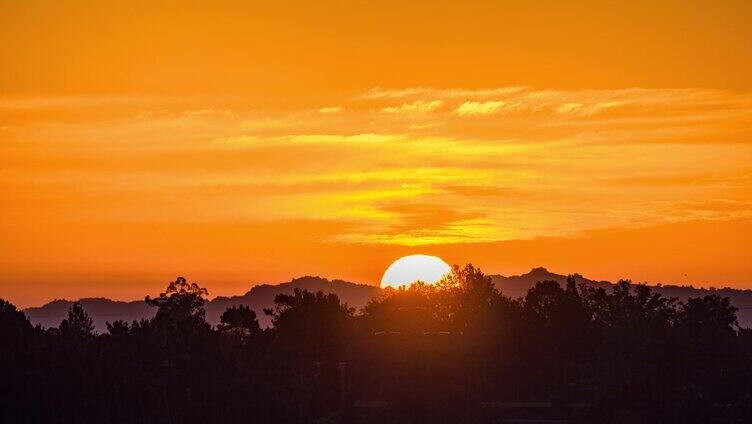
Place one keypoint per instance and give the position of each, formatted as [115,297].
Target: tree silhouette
[118,328]
[19,346]
[317,325]
[709,313]
[13,323]
[180,303]
[468,298]
[240,321]
[78,323]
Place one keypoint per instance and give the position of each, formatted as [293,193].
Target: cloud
[421,224]
[331,110]
[426,125]
[479,108]
[210,112]
[547,169]
[419,106]
[585,109]
[382,93]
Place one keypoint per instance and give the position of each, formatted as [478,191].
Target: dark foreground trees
[458,351]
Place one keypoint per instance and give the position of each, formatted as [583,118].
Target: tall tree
[180,303]
[78,323]
[239,321]
[14,324]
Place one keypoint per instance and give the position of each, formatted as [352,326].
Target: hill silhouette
[516,286]
[262,296]
[103,310]
[356,295]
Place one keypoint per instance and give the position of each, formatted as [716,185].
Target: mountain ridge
[356,295]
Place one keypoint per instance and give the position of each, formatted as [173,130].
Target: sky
[243,142]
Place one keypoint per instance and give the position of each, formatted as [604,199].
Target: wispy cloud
[522,162]
[382,93]
[585,109]
[331,110]
[479,108]
[419,106]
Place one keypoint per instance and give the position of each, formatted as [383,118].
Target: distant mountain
[262,296]
[356,295]
[259,297]
[101,310]
[517,286]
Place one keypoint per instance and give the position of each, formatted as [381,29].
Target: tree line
[455,351]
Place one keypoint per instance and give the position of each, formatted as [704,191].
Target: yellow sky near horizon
[246,142]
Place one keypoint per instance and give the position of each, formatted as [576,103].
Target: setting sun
[409,269]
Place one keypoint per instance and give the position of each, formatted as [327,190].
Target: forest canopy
[455,350]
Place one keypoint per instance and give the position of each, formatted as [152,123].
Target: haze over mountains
[104,310]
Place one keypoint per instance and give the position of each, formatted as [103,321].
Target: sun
[409,269]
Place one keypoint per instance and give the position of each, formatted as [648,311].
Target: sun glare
[409,269]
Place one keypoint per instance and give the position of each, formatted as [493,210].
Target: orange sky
[257,141]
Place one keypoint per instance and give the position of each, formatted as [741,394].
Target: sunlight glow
[409,269]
